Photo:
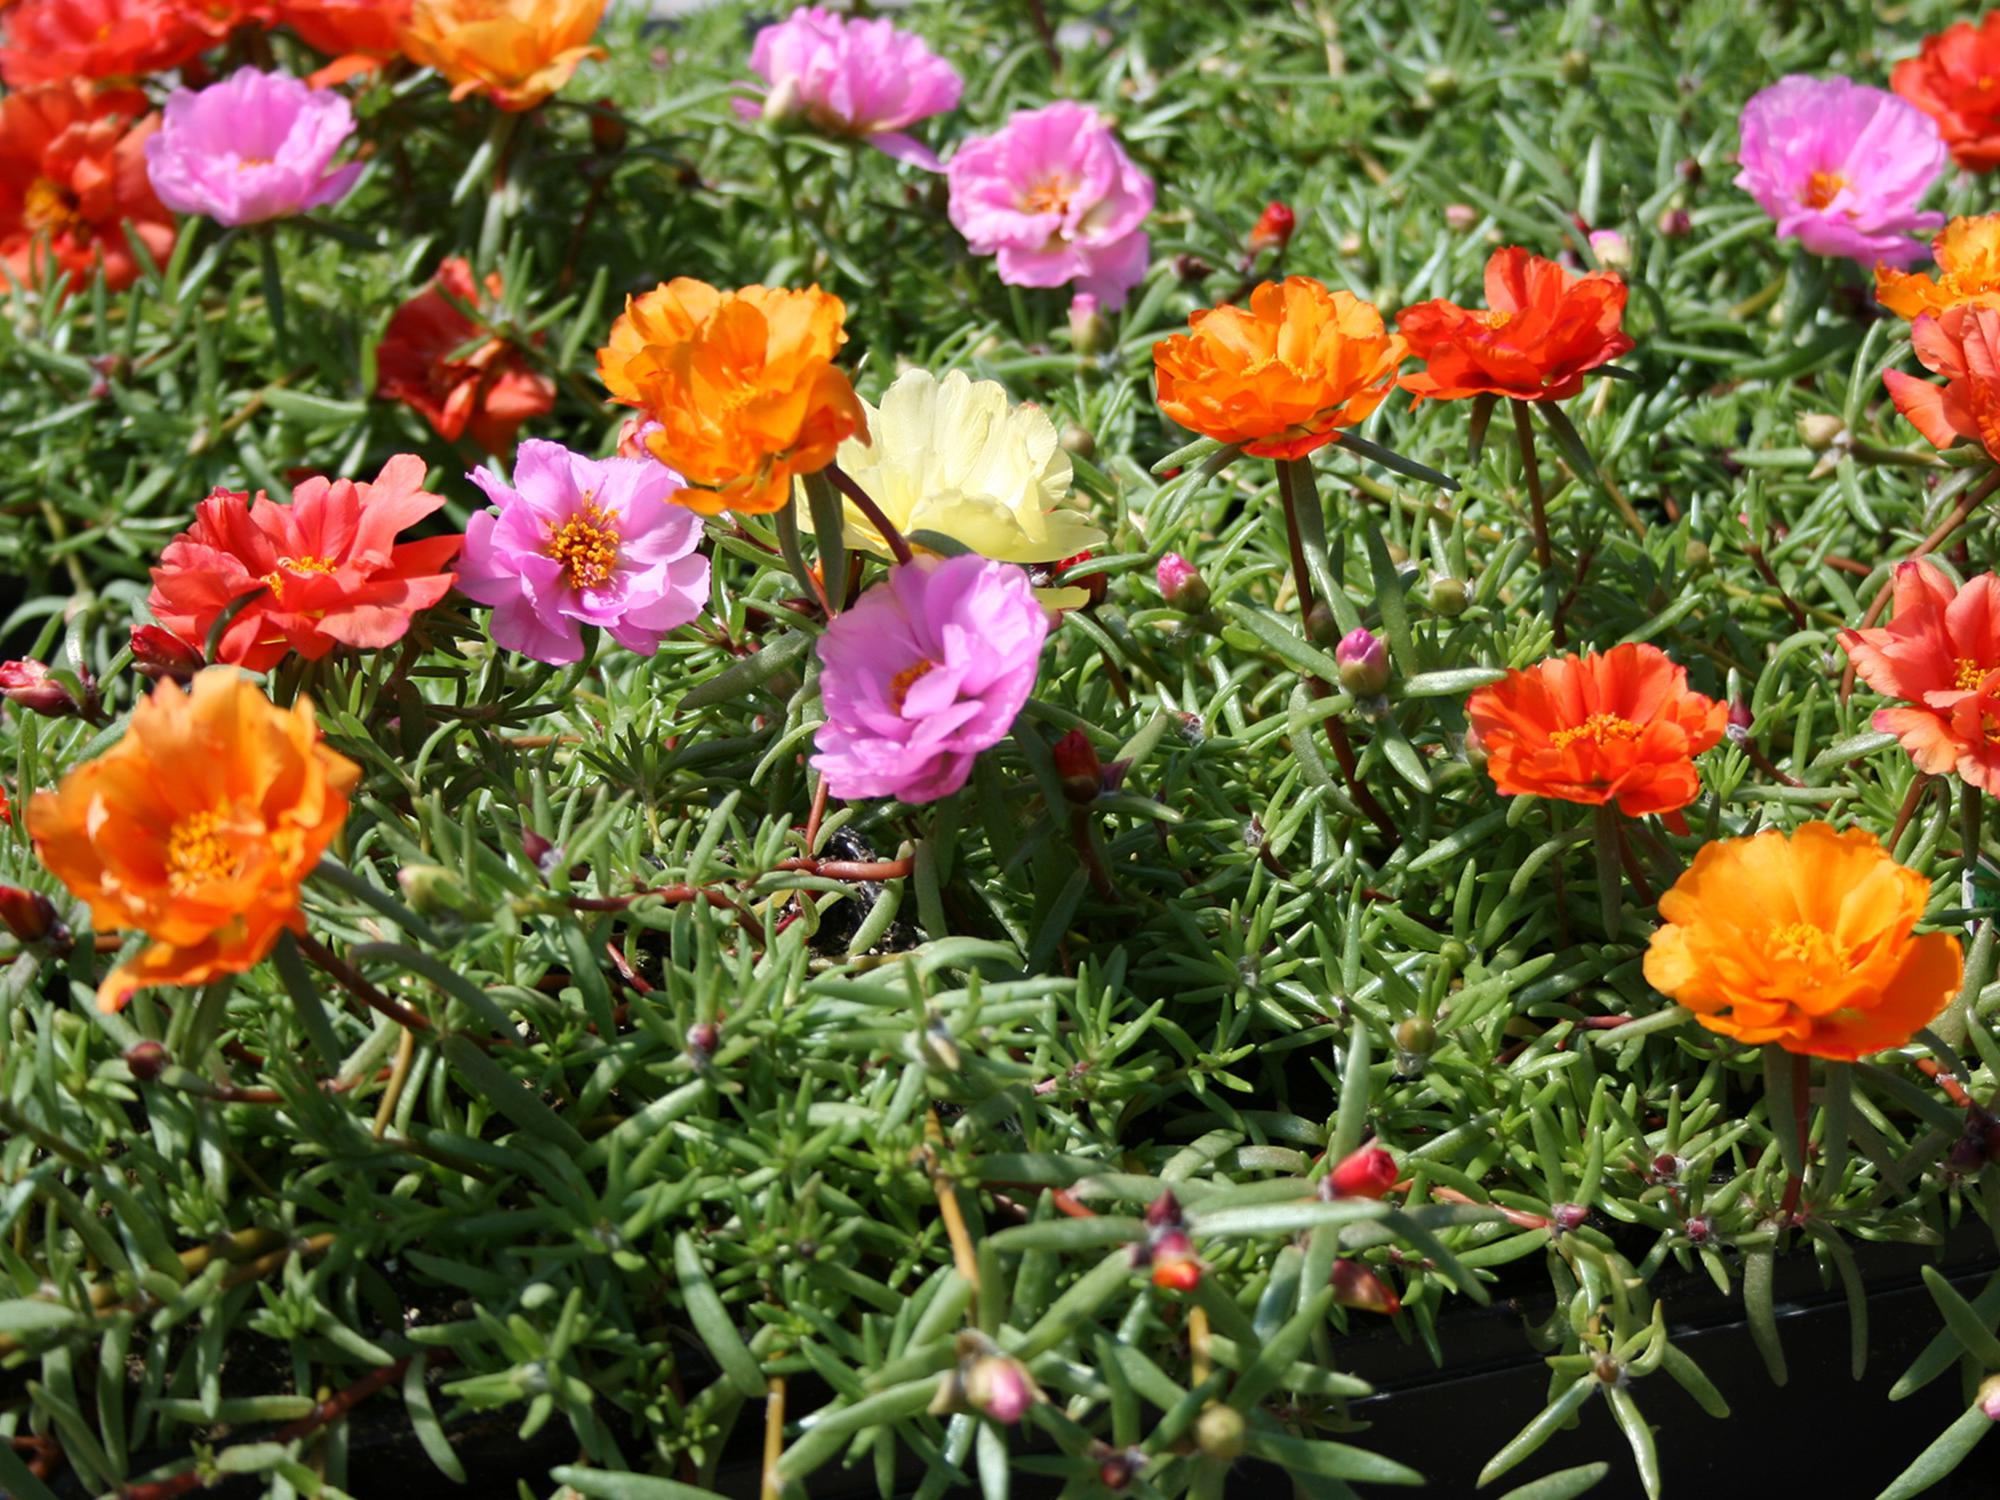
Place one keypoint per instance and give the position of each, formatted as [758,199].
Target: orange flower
[72,176]
[743,386]
[1621,726]
[55,41]
[1280,377]
[1940,654]
[1543,330]
[489,392]
[516,52]
[196,829]
[1962,344]
[348,28]
[1951,79]
[1968,257]
[1804,940]
[323,571]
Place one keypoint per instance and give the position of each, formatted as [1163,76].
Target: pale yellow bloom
[952,457]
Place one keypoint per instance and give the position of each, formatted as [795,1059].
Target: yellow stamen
[1497,318]
[197,853]
[1823,187]
[903,681]
[1598,728]
[275,579]
[587,547]
[1970,673]
[1808,944]
[48,205]
[1049,196]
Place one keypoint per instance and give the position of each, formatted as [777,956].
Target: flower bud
[1442,85]
[1364,663]
[1415,1036]
[1087,328]
[1459,217]
[1164,1212]
[1690,169]
[1356,1285]
[783,104]
[1575,67]
[1117,1470]
[1989,1397]
[1699,1230]
[1820,430]
[1191,268]
[1077,439]
[27,684]
[1001,1387]
[1675,224]
[158,652]
[1078,768]
[702,1040]
[1322,629]
[1568,1217]
[1741,721]
[1699,558]
[1175,1266]
[429,890]
[1182,585]
[1367,1173]
[1273,230]
[1219,1433]
[607,128]
[1448,596]
[1612,249]
[147,1060]
[29,915]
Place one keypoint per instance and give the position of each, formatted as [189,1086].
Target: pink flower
[583,541]
[256,146]
[1841,167]
[924,672]
[1056,198]
[856,78]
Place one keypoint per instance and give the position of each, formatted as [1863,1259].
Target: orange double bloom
[1967,252]
[1621,726]
[1940,654]
[197,829]
[1282,375]
[1806,940]
[515,52]
[741,384]
[1962,344]
[1951,80]
[1542,331]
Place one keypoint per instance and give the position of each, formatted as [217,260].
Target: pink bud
[1364,663]
[1086,323]
[158,652]
[1000,1387]
[1182,585]
[1568,1217]
[1460,217]
[1989,1397]
[27,684]
[1612,250]
[1367,1173]
[1741,720]
[1675,223]
[1355,1285]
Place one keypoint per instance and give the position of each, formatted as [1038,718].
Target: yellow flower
[952,457]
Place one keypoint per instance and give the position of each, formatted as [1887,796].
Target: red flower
[324,570]
[57,41]
[1273,229]
[72,176]
[1951,79]
[1962,344]
[1543,329]
[488,393]
[1367,1173]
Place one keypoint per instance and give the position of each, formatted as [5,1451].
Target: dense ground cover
[624,1087]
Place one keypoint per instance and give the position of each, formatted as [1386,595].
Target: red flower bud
[29,915]
[1368,1173]
[1274,229]
[1164,1211]
[1181,584]
[1355,1285]
[607,128]
[157,652]
[1081,772]
[147,1060]
[28,685]
[1568,1217]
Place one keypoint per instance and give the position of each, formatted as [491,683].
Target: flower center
[903,681]
[586,545]
[1822,188]
[1497,317]
[275,579]
[1598,728]
[1808,945]
[1970,674]
[245,163]
[48,205]
[1049,196]
[197,853]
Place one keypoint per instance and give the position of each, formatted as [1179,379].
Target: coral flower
[1055,198]
[1952,79]
[1940,654]
[1806,940]
[55,41]
[323,571]
[580,541]
[357,33]
[72,178]
[197,829]
[1963,345]
[953,457]
[854,78]
[515,52]
[1841,167]
[256,146]
[742,385]
[1620,726]
[1543,330]
[926,670]
[488,393]
[1968,258]
[1281,376]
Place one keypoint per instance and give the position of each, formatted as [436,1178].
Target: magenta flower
[924,672]
[1841,167]
[582,541]
[1056,198]
[847,77]
[255,146]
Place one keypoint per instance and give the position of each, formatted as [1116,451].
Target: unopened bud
[1273,230]
[702,1040]
[431,889]
[1690,169]
[1609,1369]
[1322,629]
[1741,721]
[1364,663]
[29,915]
[1087,328]
[1078,768]
[1416,1036]
[1367,1173]
[1612,249]
[1077,439]
[1989,1397]
[1666,1167]
[1182,585]
[1460,217]
[1675,224]
[27,684]
[1575,67]
[1164,1212]
[1569,1217]
[158,652]
[607,129]
[1001,1387]
[1448,596]
[1191,268]
[1699,558]
[1820,430]
[147,1060]
[1356,1285]
[1118,1470]
[1219,1433]
[783,104]
[1175,1267]
[1442,85]
[1699,1231]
